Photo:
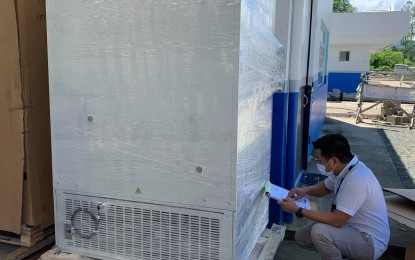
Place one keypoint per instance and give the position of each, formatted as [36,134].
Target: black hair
[334,145]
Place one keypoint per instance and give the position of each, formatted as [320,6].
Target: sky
[367,5]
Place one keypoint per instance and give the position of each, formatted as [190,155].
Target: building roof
[377,29]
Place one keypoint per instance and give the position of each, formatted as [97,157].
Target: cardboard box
[401,207]
[25,153]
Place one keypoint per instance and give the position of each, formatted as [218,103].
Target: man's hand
[297,193]
[288,205]
[336,219]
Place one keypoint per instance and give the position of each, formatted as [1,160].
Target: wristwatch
[299,212]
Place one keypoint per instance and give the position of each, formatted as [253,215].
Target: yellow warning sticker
[138,191]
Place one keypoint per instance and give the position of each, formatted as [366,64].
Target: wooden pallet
[268,243]
[25,252]
[29,236]
[51,255]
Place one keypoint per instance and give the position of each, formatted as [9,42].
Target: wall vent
[143,233]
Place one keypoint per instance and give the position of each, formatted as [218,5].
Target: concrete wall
[345,81]
[359,59]
[361,26]
[361,34]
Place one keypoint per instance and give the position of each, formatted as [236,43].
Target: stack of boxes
[25,151]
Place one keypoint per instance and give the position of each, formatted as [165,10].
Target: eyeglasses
[315,159]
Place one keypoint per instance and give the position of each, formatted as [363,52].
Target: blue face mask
[322,168]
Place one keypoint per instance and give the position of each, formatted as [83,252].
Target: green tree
[385,59]
[408,41]
[408,48]
[343,6]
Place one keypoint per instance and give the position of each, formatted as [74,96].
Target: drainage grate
[142,233]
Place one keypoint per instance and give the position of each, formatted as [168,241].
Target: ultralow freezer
[161,125]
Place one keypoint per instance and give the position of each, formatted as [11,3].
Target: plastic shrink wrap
[161,125]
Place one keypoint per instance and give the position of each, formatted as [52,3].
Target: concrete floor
[286,248]
[6,249]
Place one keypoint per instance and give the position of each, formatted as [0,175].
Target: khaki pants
[335,243]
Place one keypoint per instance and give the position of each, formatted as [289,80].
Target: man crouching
[357,226]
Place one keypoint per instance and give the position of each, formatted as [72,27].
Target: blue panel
[306,125]
[291,154]
[346,82]
[284,140]
[278,151]
[317,113]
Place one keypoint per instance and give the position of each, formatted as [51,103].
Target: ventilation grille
[141,233]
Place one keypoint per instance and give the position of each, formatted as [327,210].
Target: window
[344,56]
[322,64]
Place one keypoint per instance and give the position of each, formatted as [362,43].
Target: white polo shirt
[360,196]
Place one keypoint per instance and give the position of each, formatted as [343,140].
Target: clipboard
[278,193]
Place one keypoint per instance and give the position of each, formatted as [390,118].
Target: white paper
[304,203]
[279,193]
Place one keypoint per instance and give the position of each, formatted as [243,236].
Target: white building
[353,37]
